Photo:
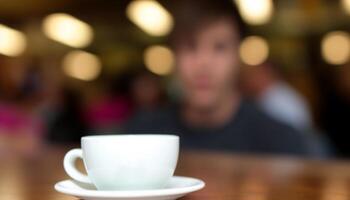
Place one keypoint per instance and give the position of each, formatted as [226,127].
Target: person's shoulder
[255,115]
[273,135]
[161,119]
[249,110]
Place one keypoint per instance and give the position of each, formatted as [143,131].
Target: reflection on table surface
[227,176]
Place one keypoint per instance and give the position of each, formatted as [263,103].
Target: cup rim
[109,136]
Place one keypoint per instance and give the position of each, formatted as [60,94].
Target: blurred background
[72,68]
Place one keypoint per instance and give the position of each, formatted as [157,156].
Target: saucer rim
[199,184]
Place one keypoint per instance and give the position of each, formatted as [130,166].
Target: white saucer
[178,186]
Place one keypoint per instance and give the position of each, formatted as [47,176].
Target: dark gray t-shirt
[248,131]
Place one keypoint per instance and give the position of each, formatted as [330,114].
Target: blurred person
[275,96]
[106,112]
[146,92]
[21,127]
[60,104]
[108,108]
[212,114]
[64,117]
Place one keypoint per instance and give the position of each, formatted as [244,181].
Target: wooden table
[227,176]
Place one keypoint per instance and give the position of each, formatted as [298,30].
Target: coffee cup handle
[69,166]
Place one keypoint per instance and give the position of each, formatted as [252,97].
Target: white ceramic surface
[125,162]
[177,187]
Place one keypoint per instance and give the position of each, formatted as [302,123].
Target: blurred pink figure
[107,113]
[16,122]
[20,130]
[21,127]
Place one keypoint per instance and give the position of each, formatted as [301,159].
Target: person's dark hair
[191,16]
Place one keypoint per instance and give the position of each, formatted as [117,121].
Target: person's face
[207,66]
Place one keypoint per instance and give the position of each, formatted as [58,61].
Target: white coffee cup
[125,162]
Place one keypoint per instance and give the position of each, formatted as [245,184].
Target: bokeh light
[68,30]
[346,6]
[150,16]
[335,47]
[254,50]
[255,12]
[159,59]
[12,42]
[82,65]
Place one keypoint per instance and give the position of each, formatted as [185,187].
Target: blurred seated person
[21,126]
[212,114]
[275,96]
[20,129]
[60,105]
[106,112]
[64,118]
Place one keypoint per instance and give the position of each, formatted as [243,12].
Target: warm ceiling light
[346,5]
[254,50]
[159,59]
[150,16]
[68,30]
[82,65]
[335,47]
[255,12]
[12,42]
